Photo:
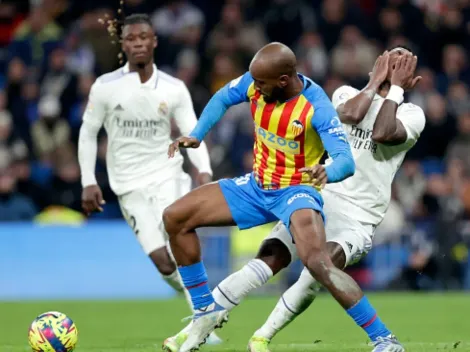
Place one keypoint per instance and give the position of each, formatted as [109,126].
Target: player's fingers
[88,207]
[413,64]
[398,64]
[174,147]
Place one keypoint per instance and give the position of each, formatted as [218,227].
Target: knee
[171,219]
[163,262]
[275,254]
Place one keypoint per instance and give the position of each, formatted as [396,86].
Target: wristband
[396,94]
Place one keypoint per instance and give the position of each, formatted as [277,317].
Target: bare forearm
[385,125]
[355,109]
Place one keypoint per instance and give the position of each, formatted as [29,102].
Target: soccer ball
[53,332]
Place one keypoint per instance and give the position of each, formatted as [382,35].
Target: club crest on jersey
[163,108]
[297,127]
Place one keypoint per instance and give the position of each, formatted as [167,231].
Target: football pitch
[423,322]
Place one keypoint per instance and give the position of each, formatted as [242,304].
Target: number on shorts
[243,180]
[133,223]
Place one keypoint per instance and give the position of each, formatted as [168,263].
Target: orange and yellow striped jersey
[289,135]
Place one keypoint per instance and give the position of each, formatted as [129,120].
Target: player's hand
[317,175]
[92,199]
[403,72]
[380,71]
[182,142]
[204,178]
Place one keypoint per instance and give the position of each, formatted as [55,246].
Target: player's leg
[168,192]
[228,202]
[272,257]
[142,212]
[293,302]
[306,225]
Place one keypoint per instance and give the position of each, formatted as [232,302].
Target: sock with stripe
[366,317]
[292,303]
[195,281]
[234,288]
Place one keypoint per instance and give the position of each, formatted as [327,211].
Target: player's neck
[145,71]
[383,89]
[294,89]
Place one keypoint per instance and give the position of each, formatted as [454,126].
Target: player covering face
[136,104]
[353,207]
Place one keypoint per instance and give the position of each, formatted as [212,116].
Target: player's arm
[233,93]
[93,119]
[387,128]
[186,120]
[351,106]
[328,126]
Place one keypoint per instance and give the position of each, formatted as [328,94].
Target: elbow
[351,117]
[379,138]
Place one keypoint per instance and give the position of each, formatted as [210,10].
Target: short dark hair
[400,46]
[137,18]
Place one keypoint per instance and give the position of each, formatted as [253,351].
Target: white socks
[234,288]
[291,304]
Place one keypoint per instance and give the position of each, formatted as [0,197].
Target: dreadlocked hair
[114,26]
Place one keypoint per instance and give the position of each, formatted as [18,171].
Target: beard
[141,65]
[276,94]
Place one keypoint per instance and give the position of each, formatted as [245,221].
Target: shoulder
[344,92]
[409,111]
[169,80]
[110,77]
[241,83]
[315,94]
[412,117]
[171,86]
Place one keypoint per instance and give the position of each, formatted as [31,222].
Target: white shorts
[143,210]
[353,236]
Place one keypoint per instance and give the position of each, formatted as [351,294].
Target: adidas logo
[118,108]
[350,246]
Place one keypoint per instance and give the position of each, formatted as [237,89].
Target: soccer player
[380,129]
[136,105]
[294,123]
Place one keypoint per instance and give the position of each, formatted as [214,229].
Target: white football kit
[356,206]
[137,118]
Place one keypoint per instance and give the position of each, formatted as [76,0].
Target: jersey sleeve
[95,111]
[343,94]
[413,119]
[185,119]
[236,91]
[233,93]
[328,126]
[93,119]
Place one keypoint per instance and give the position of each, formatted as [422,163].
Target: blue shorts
[252,206]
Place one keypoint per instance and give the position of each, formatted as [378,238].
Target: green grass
[423,322]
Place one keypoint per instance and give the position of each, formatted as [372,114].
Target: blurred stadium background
[52,50]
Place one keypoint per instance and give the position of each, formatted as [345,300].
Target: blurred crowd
[52,51]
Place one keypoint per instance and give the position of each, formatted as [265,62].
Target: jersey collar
[151,83]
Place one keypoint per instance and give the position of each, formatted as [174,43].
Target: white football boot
[204,323]
[387,344]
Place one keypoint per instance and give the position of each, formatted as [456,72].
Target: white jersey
[366,195]
[137,118]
